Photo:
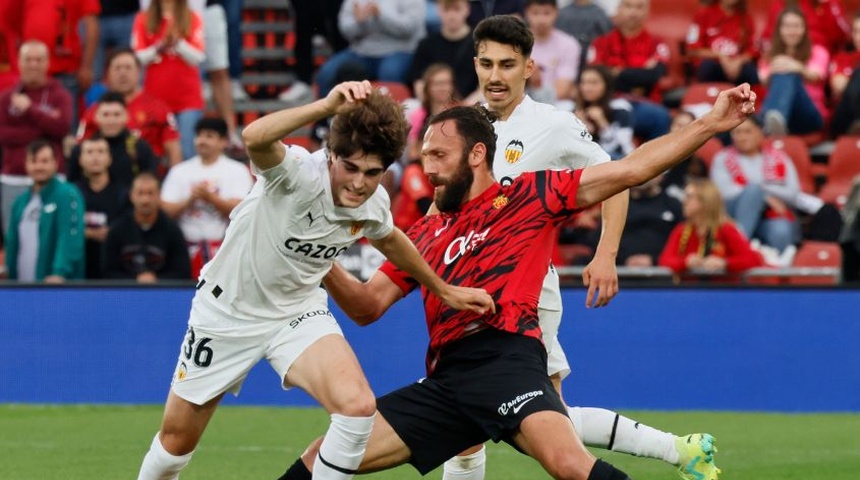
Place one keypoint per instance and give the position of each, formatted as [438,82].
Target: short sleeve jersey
[284,236]
[724,34]
[538,136]
[616,50]
[501,241]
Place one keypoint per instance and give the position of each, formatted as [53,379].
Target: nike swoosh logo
[520,406]
[440,230]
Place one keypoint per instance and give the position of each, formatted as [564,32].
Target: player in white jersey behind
[534,136]
[260,296]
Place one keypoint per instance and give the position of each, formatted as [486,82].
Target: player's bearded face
[451,191]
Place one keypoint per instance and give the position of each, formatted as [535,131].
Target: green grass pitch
[108,442]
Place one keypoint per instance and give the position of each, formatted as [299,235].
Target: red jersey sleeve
[399,277]
[739,254]
[670,257]
[91,7]
[557,190]
[697,32]
[140,38]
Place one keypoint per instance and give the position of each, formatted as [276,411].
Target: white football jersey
[538,136]
[283,238]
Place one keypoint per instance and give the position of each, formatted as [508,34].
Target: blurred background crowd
[122,157]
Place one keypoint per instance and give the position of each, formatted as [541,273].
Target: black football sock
[604,471]
[298,471]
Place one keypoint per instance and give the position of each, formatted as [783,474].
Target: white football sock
[466,467]
[159,464]
[343,448]
[601,428]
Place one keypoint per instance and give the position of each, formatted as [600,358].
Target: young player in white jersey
[534,136]
[260,297]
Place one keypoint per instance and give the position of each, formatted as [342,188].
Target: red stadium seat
[705,92]
[708,150]
[796,149]
[842,167]
[817,254]
[396,90]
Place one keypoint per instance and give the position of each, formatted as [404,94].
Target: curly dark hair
[475,125]
[377,126]
[507,30]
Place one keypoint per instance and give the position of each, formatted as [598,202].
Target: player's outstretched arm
[263,136]
[363,302]
[397,248]
[602,181]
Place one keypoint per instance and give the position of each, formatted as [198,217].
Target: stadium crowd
[121,154]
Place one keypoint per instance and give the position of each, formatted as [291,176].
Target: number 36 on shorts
[195,349]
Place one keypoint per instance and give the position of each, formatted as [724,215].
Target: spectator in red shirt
[637,60]
[168,40]
[845,86]
[37,107]
[148,117]
[827,24]
[721,43]
[707,240]
[72,56]
[23,20]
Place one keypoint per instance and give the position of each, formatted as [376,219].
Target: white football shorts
[556,359]
[218,351]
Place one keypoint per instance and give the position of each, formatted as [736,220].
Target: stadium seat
[707,151]
[796,149]
[396,90]
[842,167]
[703,93]
[817,254]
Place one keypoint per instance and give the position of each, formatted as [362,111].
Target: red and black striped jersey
[502,242]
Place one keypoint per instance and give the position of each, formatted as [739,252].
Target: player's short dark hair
[37,146]
[112,97]
[552,3]
[507,30]
[212,124]
[377,126]
[474,124]
[120,52]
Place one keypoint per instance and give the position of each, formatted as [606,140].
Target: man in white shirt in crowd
[201,192]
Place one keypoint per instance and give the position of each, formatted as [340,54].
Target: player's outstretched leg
[469,465]
[601,428]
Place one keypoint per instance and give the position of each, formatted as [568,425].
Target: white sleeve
[576,144]
[296,169]
[173,190]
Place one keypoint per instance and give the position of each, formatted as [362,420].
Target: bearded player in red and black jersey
[487,373]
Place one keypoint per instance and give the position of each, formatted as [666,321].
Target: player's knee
[359,403]
[564,466]
[178,443]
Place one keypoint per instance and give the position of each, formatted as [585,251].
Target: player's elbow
[365,318]
[252,136]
